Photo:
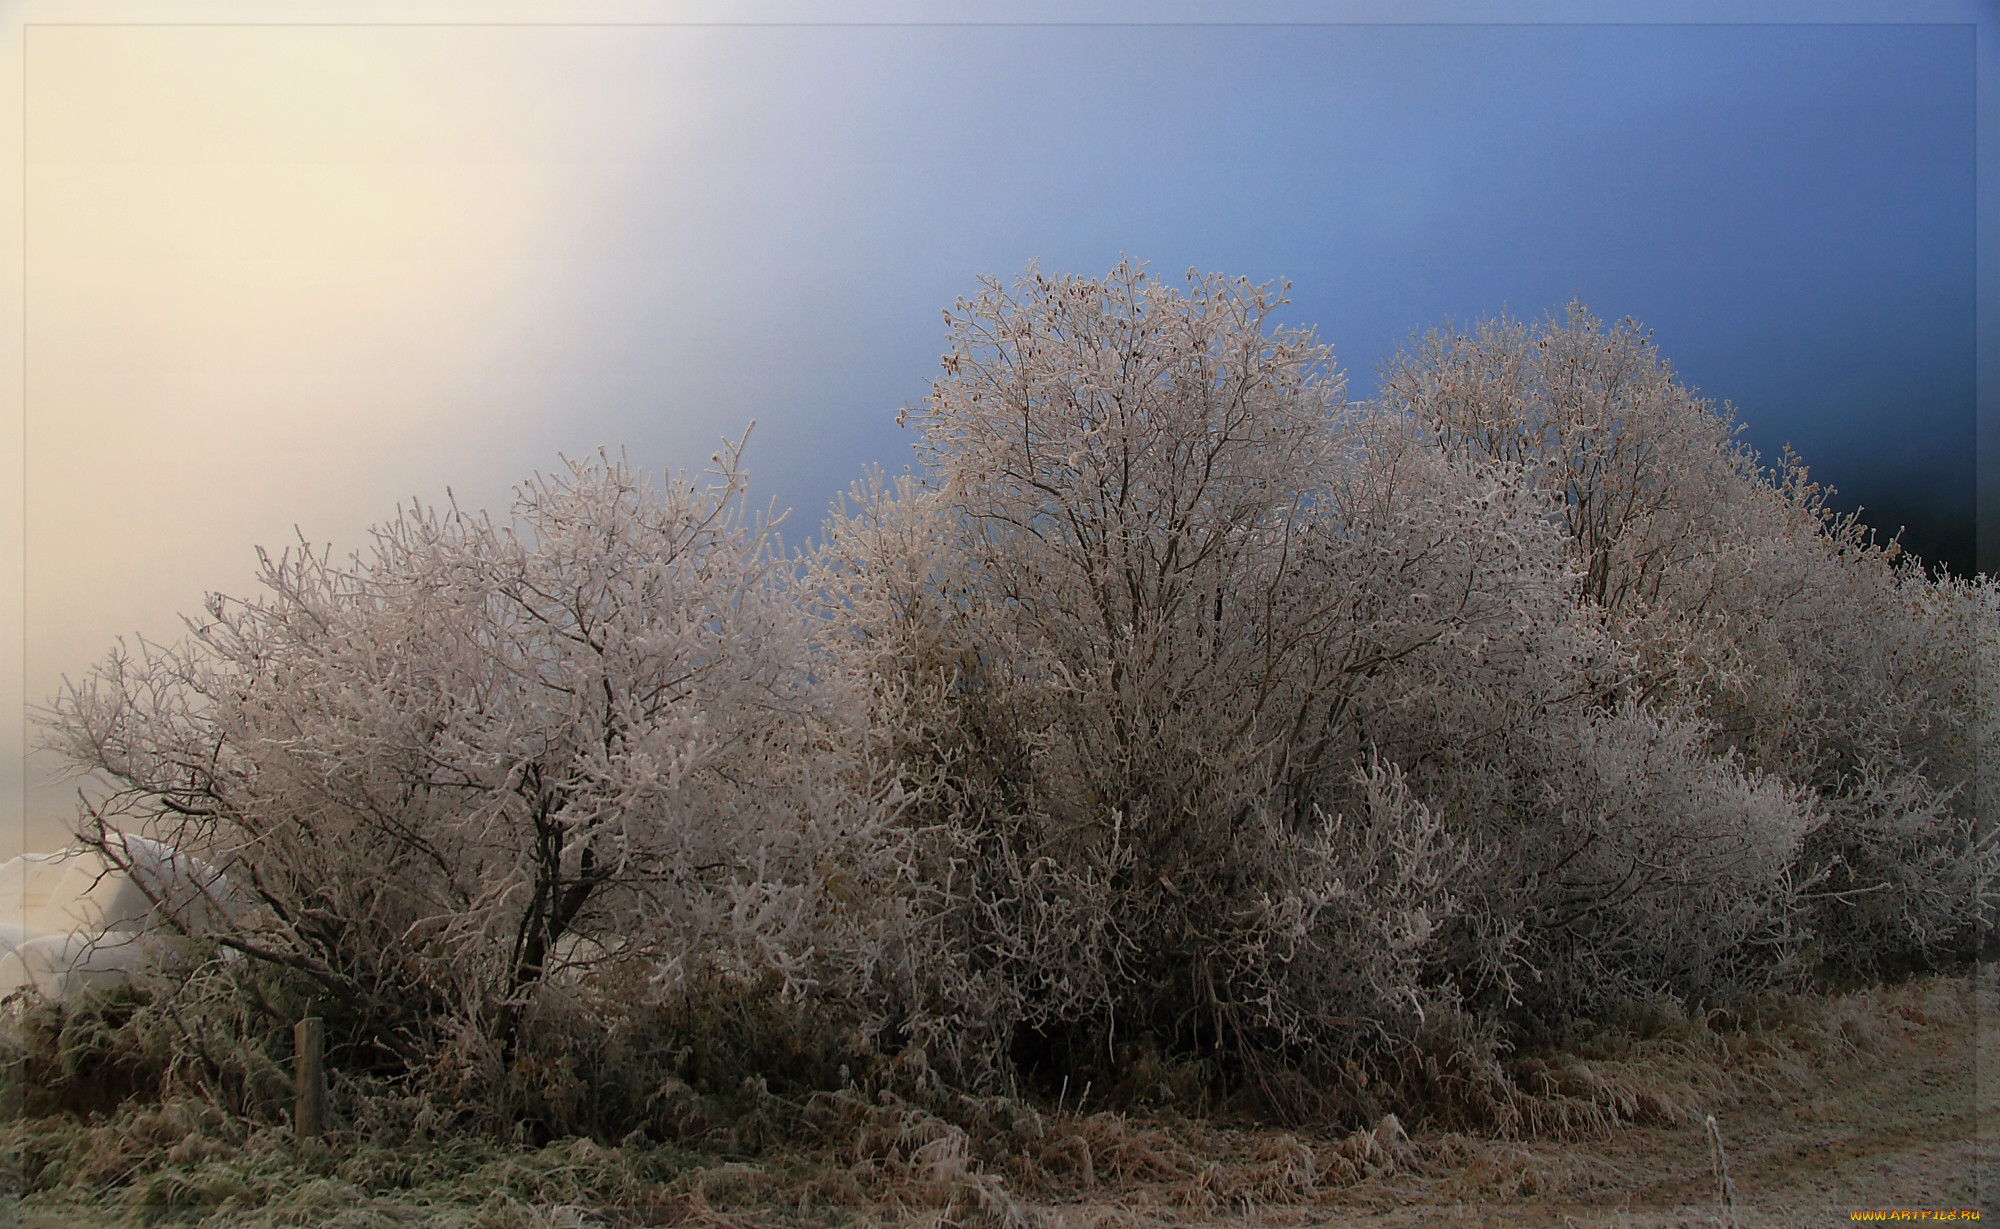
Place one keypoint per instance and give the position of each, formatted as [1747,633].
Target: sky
[276,279]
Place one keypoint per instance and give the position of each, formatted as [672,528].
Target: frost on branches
[1177,709]
[491,773]
[1740,600]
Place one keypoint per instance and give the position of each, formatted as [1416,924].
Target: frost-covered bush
[1180,723]
[1181,644]
[1812,653]
[1856,674]
[491,780]
[1658,866]
[1647,477]
[1092,607]
[1349,923]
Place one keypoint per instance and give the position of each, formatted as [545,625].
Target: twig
[1725,1190]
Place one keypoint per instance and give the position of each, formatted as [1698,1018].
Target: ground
[1884,1100]
[1906,1120]
[1907,1127]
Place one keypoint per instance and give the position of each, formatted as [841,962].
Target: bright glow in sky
[282,276]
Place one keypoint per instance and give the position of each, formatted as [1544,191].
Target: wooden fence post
[309,1071]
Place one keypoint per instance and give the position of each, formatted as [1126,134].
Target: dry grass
[1815,1097]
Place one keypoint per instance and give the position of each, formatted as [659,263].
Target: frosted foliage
[1860,677]
[1647,474]
[1142,665]
[1176,706]
[1092,609]
[1661,863]
[1357,910]
[1132,469]
[1811,651]
[485,759]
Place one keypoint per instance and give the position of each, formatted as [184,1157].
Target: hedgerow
[1179,729]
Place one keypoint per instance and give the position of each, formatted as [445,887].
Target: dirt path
[1909,1122]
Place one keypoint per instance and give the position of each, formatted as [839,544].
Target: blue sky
[281,278]
[1791,208]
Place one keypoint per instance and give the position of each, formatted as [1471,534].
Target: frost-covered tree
[1808,650]
[490,768]
[1211,676]
[1647,475]
[1177,705]
[1089,605]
